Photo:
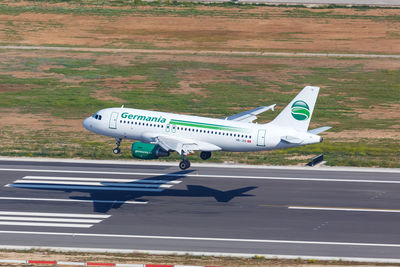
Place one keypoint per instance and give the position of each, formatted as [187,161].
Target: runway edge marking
[216,239]
[212,165]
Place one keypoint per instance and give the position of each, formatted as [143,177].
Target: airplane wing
[183,145]
[249,116]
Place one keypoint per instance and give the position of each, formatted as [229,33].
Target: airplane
[157,134]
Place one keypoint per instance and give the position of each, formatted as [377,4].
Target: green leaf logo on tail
[300,110]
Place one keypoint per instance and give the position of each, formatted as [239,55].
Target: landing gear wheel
[205,155]
[184,164]
[117,150]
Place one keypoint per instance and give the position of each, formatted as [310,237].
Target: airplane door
[113,120]
[261,138]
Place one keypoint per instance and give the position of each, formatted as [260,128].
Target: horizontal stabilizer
[250,115]
[291,139]
[319,130]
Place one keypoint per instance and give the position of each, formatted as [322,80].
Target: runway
[272,211]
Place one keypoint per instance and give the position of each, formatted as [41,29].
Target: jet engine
[148,151]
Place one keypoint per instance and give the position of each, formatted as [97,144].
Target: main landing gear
[204,155]
[117,150]
[184,164]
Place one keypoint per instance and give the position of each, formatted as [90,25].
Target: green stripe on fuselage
[207,126]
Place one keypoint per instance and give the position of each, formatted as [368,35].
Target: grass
[74,85]
[44,143]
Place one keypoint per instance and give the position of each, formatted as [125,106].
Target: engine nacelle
[148,151]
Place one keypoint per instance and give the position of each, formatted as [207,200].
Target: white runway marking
[90,183]
[115,180]
[211,176]
[83,183]
[79,187]
[213,239]
[48,219]
[73,225]
[44,219]
[49,214]
[73,200]
[343,209]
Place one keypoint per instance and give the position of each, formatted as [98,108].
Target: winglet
[251,115]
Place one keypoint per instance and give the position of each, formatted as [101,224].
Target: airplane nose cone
[87,124]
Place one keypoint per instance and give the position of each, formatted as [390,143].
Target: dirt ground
[259,28]
[171,259]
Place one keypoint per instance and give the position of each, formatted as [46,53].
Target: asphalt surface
[307,212]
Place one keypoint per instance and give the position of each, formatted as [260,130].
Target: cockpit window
[97,116]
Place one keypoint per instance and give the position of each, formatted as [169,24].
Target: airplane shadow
[114,199]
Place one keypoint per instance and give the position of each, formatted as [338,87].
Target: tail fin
[297,115]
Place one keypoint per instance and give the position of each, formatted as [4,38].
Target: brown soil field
[172,259]
[259,28]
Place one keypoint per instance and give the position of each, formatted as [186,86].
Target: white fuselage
[228,135]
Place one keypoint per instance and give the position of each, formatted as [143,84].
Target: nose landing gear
[184,164]
[117,150]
